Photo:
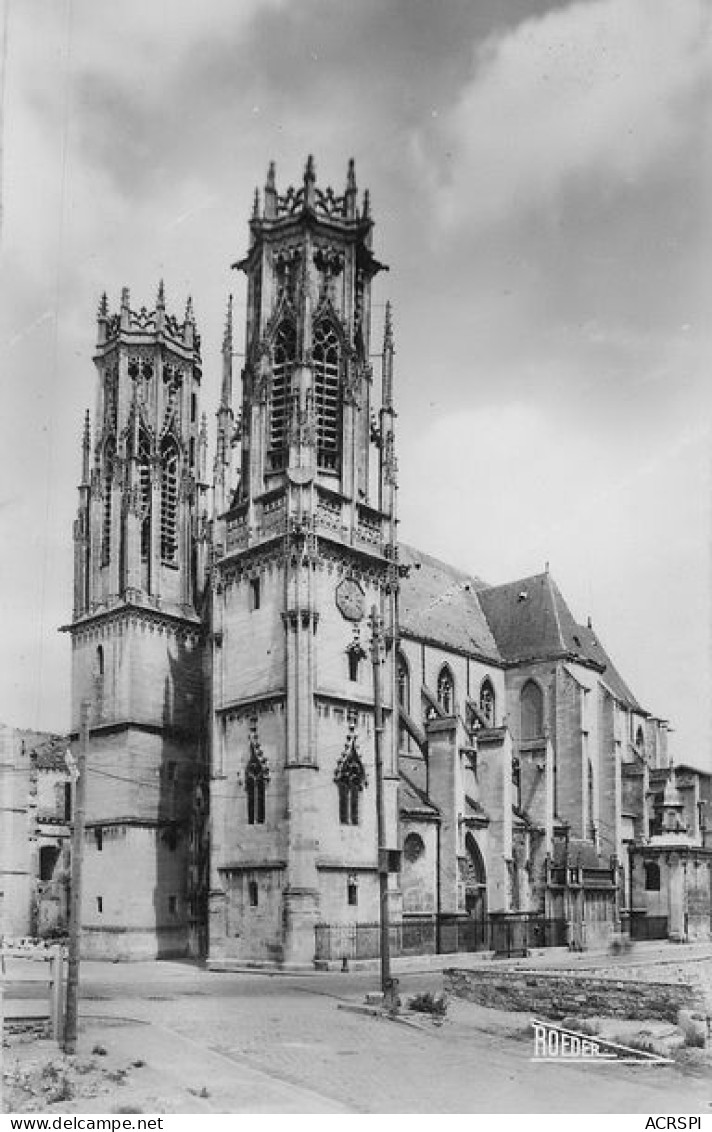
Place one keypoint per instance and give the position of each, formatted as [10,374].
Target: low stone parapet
[556,994]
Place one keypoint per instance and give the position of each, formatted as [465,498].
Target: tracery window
[487,701]
[326,359]
[350,780]
[255,782]
[284,353]
[403,678]
[446,690]
[169,500]
[532,711]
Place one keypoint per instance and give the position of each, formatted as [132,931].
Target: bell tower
[305,550]
[140,547]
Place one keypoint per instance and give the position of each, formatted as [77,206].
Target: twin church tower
[222,629]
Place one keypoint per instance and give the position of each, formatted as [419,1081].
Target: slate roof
[530,620]
[439,603]
[524,620]
[595,651]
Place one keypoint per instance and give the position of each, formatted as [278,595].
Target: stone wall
[555,994]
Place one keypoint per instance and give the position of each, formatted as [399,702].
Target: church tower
[140,549]
[304,553]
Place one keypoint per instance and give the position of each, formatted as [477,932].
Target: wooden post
[377,645]
[56,996]
[2,1042]
[79,775]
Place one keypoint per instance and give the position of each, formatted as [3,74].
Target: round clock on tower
[350,600]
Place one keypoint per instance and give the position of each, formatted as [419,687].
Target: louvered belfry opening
[326,359]
[144,479]
[109,456]
[169,501]
[283,355]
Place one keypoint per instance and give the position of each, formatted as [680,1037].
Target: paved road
[260,1043]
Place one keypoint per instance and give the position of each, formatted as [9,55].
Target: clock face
[350,600]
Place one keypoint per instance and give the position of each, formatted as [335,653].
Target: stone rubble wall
[555,994]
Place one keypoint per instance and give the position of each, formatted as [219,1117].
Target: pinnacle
[227,337]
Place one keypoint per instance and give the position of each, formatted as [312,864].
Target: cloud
[598,90]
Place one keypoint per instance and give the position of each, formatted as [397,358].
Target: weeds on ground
[427,1003]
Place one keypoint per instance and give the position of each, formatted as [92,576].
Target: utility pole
[377,648]
[79,781]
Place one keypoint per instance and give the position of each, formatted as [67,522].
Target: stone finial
[270,211]
[161,296]
[309,183]
[86,447]
[227,336]
[366,211]
[189,314]
[387,361]
[350,196]
[256,205]
[103,311]
[125,317]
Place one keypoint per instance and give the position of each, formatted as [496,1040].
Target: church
[287,705]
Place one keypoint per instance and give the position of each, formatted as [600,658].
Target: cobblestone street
[251,1042]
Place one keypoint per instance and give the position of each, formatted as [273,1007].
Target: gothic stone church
[229,631]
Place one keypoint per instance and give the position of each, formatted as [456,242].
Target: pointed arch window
[350,779]
[446,690]
[284,352]
[144,491]
[255,788]
[488,702]
[109,459]
[403,679]
[532,711]
[326,357]
[169,500]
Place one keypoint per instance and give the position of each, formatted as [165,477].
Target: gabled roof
[439,603]
[531,621]
[595,651]
[529,618]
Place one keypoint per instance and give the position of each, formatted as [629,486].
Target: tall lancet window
[326,358]
[284,353]
[109,456]
[144,488]
[169,500]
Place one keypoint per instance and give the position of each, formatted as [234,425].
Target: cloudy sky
[541,178]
